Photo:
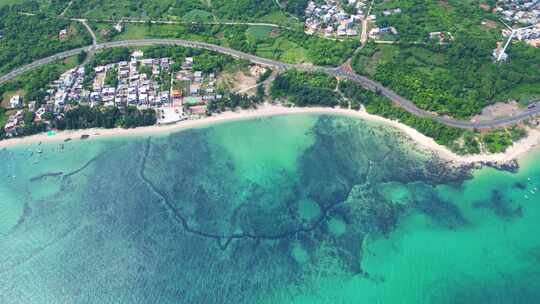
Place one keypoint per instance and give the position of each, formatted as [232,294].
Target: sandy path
[517,150]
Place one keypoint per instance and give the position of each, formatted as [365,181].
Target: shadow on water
[500,205]
[442,212]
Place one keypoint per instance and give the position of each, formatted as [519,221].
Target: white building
[137,55]
[16,102]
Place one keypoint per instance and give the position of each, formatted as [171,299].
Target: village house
[330,20]
[16,102]
[14,124]
[62,35]
[376,33]
[118,27]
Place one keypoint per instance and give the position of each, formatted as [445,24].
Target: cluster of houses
[377,33]
[529,35]
[329,19]
[139,82]
[194,89]
[14,123]
[526,12]
[67,88]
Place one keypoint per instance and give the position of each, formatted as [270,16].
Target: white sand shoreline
[518,150]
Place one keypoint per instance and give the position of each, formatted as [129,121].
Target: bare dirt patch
[274,33]
[497,110]
[489,24]
[4,100]
[99,81]
[446,5]
[237,82]
[485,7]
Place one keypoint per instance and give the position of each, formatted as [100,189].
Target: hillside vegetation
[27,38]
[457,79]
[456,75]
[186,10]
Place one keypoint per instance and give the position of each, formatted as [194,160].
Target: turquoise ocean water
[288,209]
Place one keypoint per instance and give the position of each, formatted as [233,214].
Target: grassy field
[260,32]
[370,57]
[197,15]
[283,50]
[138,31]
[281,18]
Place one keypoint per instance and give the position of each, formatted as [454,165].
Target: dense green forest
[243,9]
[458,79]
[128,8]
[234,101]
[180,10]
[3,120]
[27,38]
[52,7]
[305,89]
[296,7]
[238,10]
[84,117]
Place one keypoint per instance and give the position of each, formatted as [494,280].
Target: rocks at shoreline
[511,166]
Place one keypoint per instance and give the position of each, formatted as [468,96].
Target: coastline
[513,153]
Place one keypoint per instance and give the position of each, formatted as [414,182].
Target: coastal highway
[365,82]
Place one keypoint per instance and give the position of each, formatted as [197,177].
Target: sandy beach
[516,151]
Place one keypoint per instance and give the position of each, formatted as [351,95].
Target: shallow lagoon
[288,209]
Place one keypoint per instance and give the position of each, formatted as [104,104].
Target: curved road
[338,72]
